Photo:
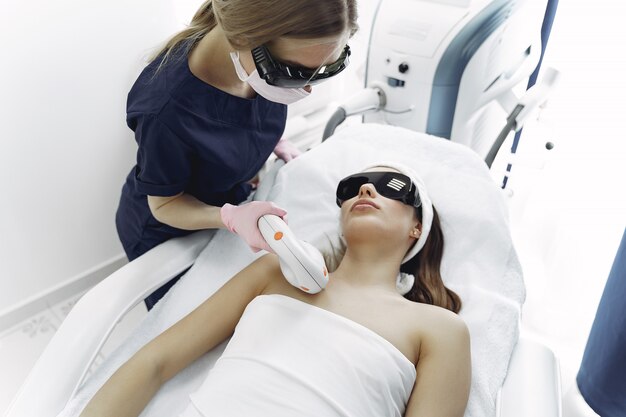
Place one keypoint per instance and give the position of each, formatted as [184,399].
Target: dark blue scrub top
[192,138]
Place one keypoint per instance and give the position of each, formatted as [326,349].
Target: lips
[363,202]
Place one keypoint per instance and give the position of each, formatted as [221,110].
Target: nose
[367,190]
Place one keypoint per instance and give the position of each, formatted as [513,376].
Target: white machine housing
[301,263]
[443,65]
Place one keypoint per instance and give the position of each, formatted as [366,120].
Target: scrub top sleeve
[163,159]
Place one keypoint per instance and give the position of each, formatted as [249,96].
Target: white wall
[66,67]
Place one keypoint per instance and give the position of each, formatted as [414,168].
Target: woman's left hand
[286,150]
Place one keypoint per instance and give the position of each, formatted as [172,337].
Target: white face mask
[271,92]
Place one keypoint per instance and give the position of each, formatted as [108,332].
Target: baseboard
[80,283]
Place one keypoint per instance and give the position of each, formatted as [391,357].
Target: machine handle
[369,99]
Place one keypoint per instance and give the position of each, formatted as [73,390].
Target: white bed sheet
[479,262]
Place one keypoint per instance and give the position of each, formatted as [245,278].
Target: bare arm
[443,371]
[184,211]
[132,386]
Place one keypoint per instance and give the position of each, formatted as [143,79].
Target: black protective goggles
[392,185]
[280,74]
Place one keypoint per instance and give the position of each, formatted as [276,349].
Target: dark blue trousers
[602,375]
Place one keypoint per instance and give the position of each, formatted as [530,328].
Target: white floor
[568,206]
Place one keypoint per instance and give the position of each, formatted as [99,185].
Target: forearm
[185,212]
[128,390]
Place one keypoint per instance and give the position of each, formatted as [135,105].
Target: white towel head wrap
[427,206]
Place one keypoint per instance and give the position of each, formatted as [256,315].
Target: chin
[366,228]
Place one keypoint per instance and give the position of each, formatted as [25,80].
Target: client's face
[370,216]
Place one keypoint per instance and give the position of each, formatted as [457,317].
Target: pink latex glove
[243,219]
[286,150]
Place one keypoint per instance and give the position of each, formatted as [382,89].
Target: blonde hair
[425,266]
[250,23]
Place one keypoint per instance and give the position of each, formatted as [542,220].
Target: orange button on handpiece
[278,235]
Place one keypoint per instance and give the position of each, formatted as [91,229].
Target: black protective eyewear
[392,185]
[280,74]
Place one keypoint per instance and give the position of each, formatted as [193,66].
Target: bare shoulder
[440,326]
[444,365]
[269,268]
[268,262]
[275,281]
[256,277]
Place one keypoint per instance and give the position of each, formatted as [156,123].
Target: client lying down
[359,348]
